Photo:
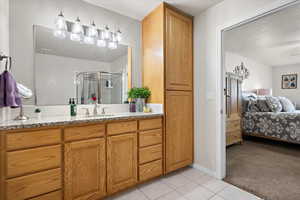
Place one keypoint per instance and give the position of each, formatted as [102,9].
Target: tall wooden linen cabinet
[168,72]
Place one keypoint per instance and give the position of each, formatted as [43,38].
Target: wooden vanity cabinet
[178,51]
[168,72]
[179,129]
[31,164]
[85,162]
[80,162]
[85,169]
[121,162]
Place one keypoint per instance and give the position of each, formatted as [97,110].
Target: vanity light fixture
[87,34]
[77,31]
[91,34]
[60,30]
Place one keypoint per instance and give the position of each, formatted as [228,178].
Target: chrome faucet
[103,110]
[95,111]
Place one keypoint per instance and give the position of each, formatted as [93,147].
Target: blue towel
[9,95]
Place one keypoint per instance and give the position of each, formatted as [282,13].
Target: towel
[9,95]
[25,92]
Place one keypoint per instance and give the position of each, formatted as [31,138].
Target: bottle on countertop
[73,107]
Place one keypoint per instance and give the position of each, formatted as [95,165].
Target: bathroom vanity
[80,159]
[88,158]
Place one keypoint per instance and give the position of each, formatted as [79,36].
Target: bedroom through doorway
[261,59]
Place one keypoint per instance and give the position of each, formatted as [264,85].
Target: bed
[281,126]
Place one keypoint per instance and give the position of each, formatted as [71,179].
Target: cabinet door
[179,129]
[121,162]
[179,51]
[85,171]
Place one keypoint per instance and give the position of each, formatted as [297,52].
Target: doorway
[273,146]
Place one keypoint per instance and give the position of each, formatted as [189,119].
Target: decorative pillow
[262,105]
[252,106]
[287,105]
[274,104]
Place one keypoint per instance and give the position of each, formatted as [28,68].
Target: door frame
[220,101]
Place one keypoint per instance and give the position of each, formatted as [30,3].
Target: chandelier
[241,71]
[86,34]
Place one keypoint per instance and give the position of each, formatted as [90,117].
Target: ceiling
[138,9]
[47,43]
[273,40]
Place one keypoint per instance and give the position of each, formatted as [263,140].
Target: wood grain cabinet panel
[148,138]
[148,154]
[150,170]
[121,162]
[121,127]
[147,124]
[26,187]
[85,170]
[29,139]
[33,160]
[57,195]
[84,132]
[179,51]
[179,129]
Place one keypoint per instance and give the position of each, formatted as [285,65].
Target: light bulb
[112,45]
[77,31]
[60,30]
[119,35]
[114,37]
[106,33]
[91,35]
[92,30]
[100,41]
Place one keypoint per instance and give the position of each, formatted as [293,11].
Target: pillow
[274,104]
[287,105]
[262,105]
[252,106]
[246,96]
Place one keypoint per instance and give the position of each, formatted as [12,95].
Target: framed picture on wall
[289,81]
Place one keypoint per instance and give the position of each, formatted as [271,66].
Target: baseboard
[205,170]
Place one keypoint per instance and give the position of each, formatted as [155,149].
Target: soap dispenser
[73,107]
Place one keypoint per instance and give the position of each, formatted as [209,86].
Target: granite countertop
[65,120]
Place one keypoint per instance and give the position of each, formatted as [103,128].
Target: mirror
[67,69]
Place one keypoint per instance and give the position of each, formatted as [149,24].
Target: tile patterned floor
[187,184]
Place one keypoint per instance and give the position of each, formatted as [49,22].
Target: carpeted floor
[268,169]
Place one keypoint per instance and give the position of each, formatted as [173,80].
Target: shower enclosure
[105,87]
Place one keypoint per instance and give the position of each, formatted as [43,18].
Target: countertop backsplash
[8,114]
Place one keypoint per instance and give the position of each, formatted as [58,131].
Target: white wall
[24,14]
[292,94]
[4,28]
[260,74]
[206,61]
[58,85]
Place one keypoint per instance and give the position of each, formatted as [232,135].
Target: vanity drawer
[33,185]
[152,137]
[84,132]
[149,154]
[150,170]
[20,140]
[33,160]
[57,195]
[147,124]
[121,127]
